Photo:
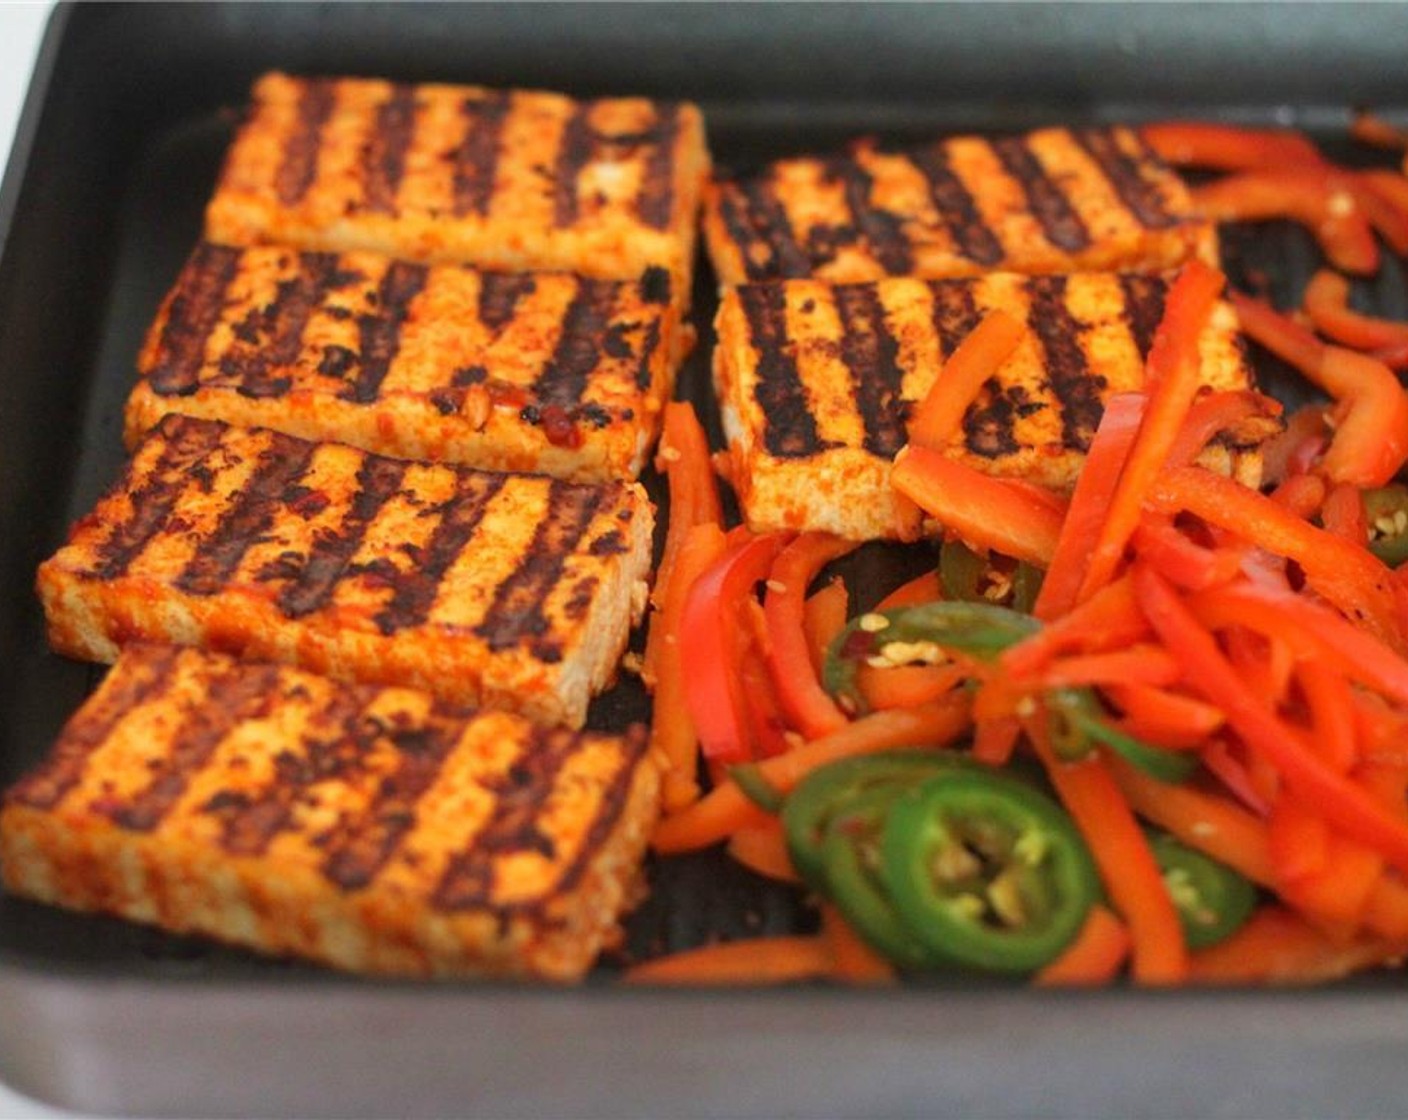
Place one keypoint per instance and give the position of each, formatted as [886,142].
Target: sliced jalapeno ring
[1026,586]
[1386,511]
[961,572]
[1076,722]
[987,872]
[973,577]
[1212,900]
[851,853]
[829,790]
[980,630]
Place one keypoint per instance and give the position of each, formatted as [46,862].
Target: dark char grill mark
[882,230]
[240,693]
[63,769]
[655,201]
[378,480]
[872,356]
[1143,307]
[516,611]
[755,217]
[1142,197]
[476,159]
[564,378]
[520,794]
[333,748]
[955,313]
[789,427]
[284,321]
[1059,220]
[384,158]
[499,296]
[574,153]
[956,207]
[185,444]
[989,424]
[416,588]
[634,744]
[1075,386]
[298,162]
[362,847]
[194,311]
[380,333]
[251,512]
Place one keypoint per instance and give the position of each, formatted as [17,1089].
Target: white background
[21,27]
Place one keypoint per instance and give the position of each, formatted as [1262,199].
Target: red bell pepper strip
[1344,515]
[1138,664]
[1288,340]
[1181,561]
[1297,447]
[1327,303]
[1369,128]
[1170,719]
[939,416]
[1279,947]
[1213,413]
[986,511]
[1332,715]
[708,637]
[1351,578]
[1383,208]
[807,706]
[767,722]
[824,617]
[1090,503]
[1109,619]
[1391,188]
[1174,372]
[1094,957]
[1317,197]
[1126,864]
[1224,147]
[1302,495]
[1344,804]
[923,588]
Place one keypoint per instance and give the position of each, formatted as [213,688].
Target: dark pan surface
[118,150]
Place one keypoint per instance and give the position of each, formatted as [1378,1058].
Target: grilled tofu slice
[507,589]
[816,383]
[512,180]
[545,372]
[1057,200]
[366,828]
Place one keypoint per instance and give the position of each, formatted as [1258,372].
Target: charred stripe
[519,796]
[380,333]
[1143,307]
[955,313]
[250,513]
[1143,198]
[378,480]
[192,315]
[656,198]
[755,219]
[789,430]
[334,747]
[575,151]
[415,589]
[956,207]
[362,846]
[516,612]
[477,158]
[140,682]
[185,444]
[298,163]
[279,328]
[1059,220]
[578,347]
[499,295]
[882,230]
[242,692]
[1075,386]
[634,744]
[872,356]
[384,158]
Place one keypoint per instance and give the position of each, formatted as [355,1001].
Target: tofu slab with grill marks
[1056,200]
[514,590]
[365,828]
[546,372]
[816,383]
[513,180]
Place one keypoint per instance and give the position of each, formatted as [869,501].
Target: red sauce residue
[507,395]
[560,428]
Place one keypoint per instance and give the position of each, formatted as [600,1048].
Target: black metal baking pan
[117,150]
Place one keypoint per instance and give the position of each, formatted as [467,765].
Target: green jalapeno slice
[1212,900]
[1386,511]
[986,872]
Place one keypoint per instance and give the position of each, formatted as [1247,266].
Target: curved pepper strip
[805,704]
[939,416]
[709,639]
[1326,301]
[1320,198]
[1224,147]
